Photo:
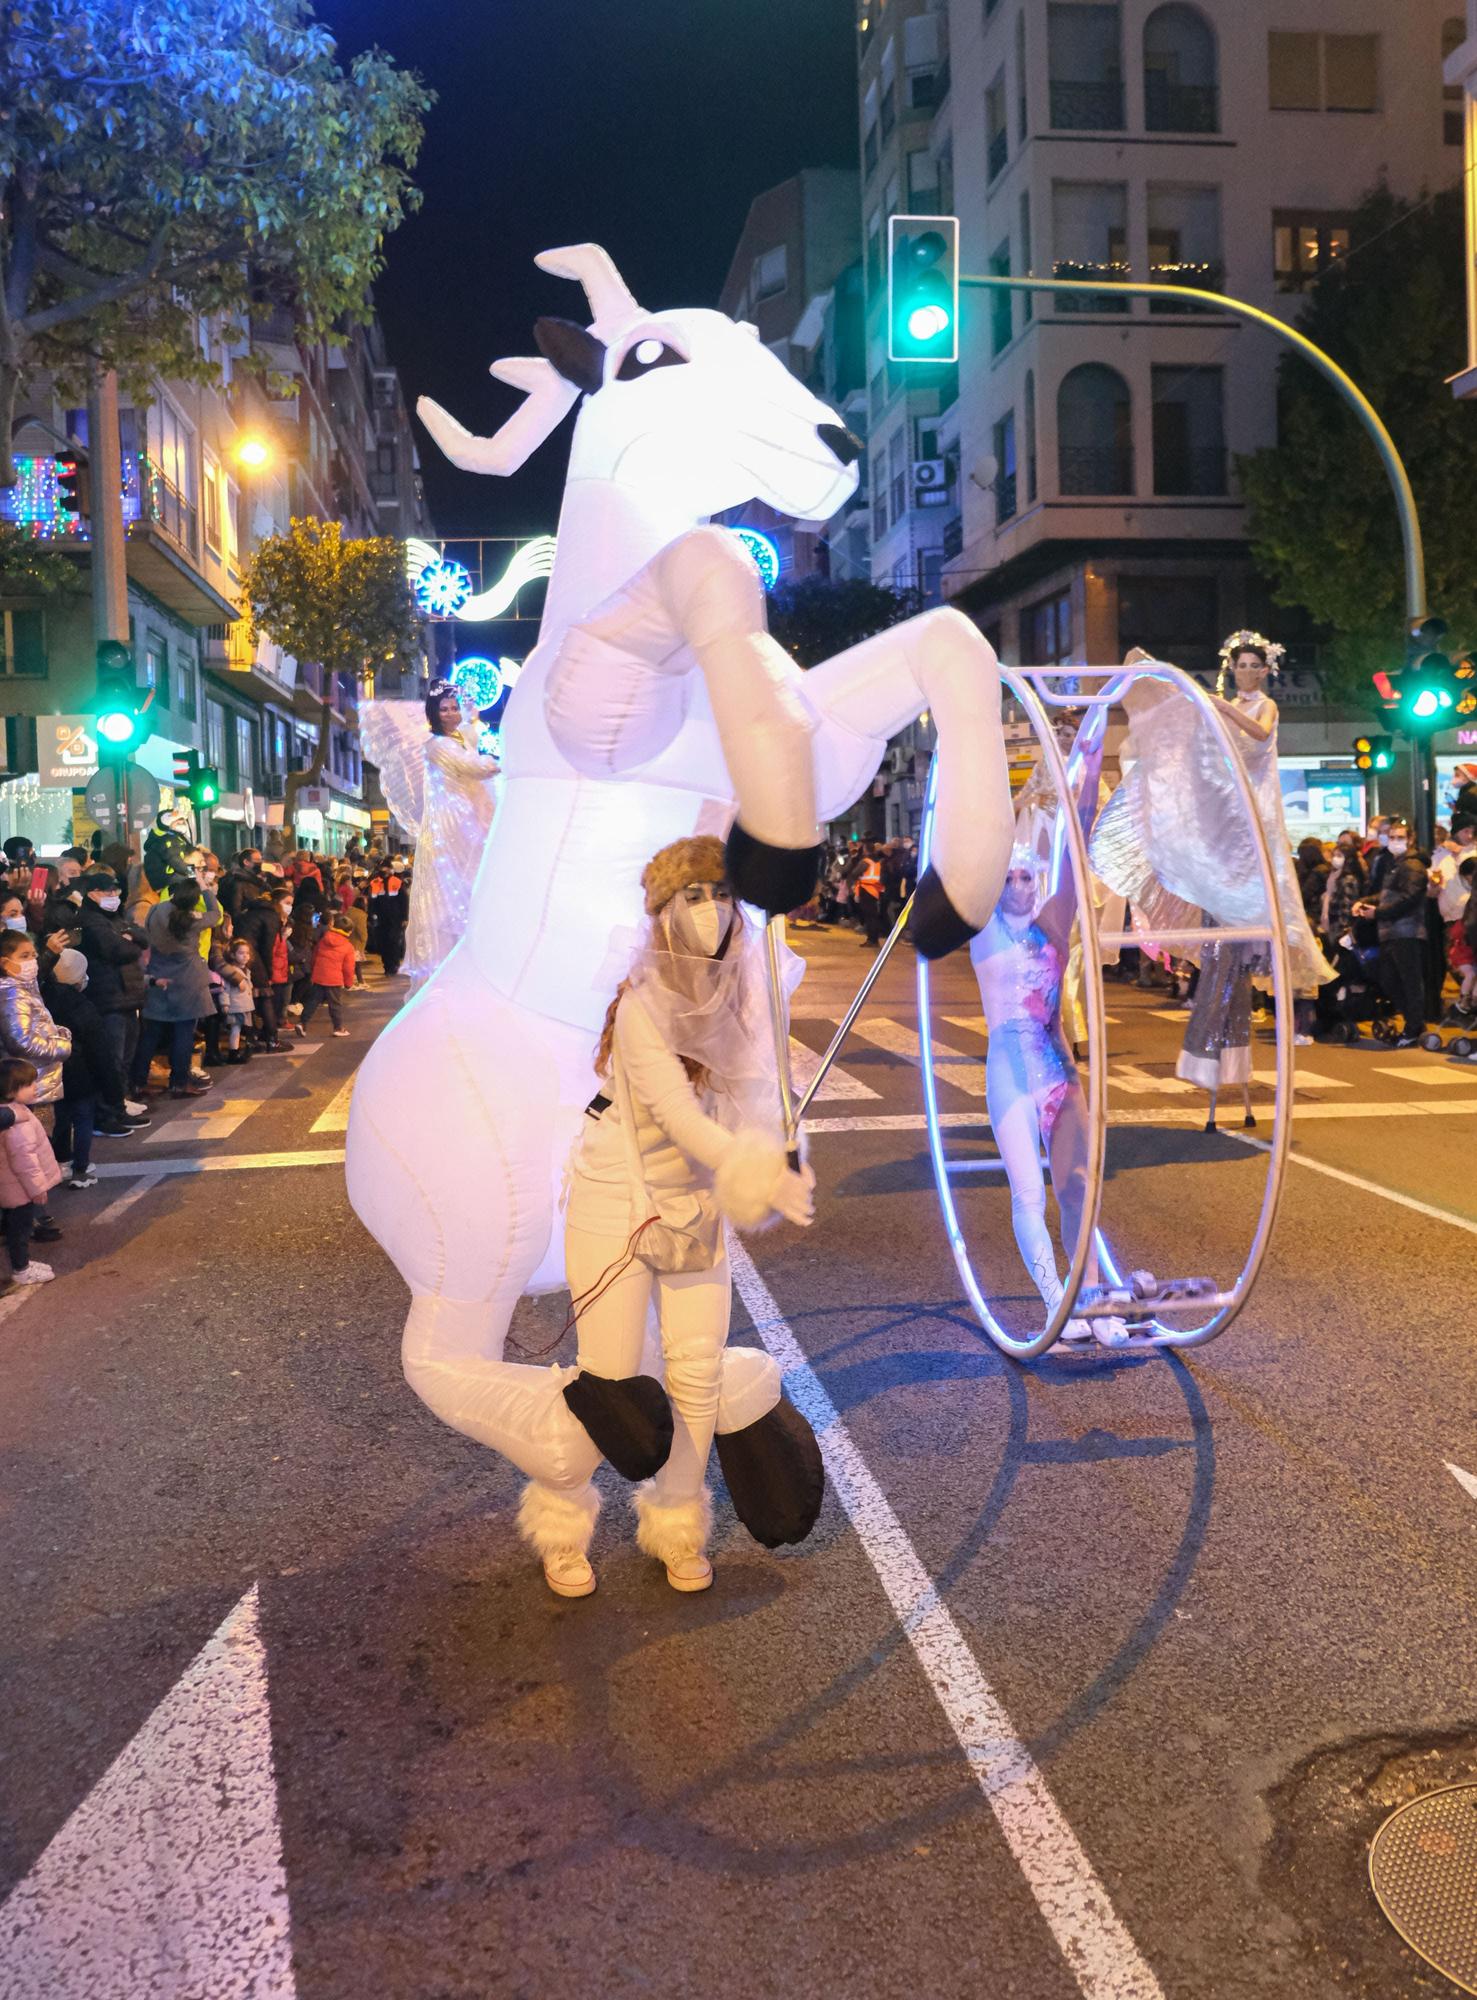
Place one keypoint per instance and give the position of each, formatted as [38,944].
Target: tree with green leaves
[28,568]
[815,617]
[190,157]
[339,604]
[1324,529]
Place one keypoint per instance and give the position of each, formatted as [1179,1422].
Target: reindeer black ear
[574,351]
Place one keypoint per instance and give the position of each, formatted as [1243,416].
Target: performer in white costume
[684,1132]
[656,707]
[1032,1088]
[439,787]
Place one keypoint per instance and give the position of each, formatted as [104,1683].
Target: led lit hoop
[766,555]
[481,680]
[1029,690]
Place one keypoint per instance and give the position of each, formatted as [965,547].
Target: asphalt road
[1095,1676]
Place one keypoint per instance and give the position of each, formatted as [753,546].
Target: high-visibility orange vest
[869,882]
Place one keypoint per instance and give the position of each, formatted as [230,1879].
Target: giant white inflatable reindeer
[654,706]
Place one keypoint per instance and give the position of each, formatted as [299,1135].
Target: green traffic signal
[119,723]
[923,288]
[207,787]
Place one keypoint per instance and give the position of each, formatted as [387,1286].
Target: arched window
[1094,426]
[1180,93]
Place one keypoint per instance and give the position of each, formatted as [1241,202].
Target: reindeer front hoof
[773,879]
[935,926]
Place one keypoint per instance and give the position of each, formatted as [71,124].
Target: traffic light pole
[1416,608]
[109,570]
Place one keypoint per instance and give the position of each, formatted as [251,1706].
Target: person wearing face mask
[1032,1090]
[114,949]
[91,1077]
[178,985]
[1399,912]
[28,1033]
[683,1133]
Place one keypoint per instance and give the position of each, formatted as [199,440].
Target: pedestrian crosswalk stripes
[217,1116]
[804,1062]
[964,1072]
[336,1117]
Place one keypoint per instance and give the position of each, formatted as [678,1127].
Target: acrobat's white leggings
[1017,1128]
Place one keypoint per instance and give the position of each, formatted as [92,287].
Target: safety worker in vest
[868,889]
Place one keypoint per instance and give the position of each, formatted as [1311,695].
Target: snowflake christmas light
[442,588]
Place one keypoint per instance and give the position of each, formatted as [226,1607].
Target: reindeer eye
[645,356]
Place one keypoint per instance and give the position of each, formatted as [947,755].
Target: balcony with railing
[1087,107]
[1088,469]
[1203,277]
[1114,269]
[1180,107]
[1189,472]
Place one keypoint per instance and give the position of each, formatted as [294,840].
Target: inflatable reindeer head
[687,405]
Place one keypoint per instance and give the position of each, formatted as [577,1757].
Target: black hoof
[774,1475]
[773,879]
[630,1421]
[935,926]
[1210,1124]
[1249,1121]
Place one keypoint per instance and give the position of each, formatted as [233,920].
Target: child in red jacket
[333,974]
[28,1169]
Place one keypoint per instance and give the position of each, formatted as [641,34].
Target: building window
[1305,245]
[769,274]
[923,182]
[184,686]
[1000,313]
[1028,299]
[897,465]
[997,136]
[1094,422]
[1189,431]
[25,643]
[874,256]
[1004,443]
[1022,82]
[1174,618]
[211,502]
[1184,241]
[245,760]
[925,61]
[1089,227]
[1031,482]
[1180,93]
[215,733]
[1046,631]
[1453,34]
[1309,72]
[156,668]
[1085,65]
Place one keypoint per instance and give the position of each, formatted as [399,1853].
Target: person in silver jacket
[26,1028]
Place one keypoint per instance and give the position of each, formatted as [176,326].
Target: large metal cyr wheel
[1166,1318]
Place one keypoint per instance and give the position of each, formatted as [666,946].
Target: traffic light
[119,712]
[200,783]
[1431,686]
[923,288]
[74,489]
[1374,753]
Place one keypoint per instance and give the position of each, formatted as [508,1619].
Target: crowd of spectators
[103,975]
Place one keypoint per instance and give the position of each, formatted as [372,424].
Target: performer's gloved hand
[794,1198]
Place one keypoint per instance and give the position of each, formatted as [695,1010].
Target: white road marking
[1307,1079]
[336,1117]
[13,1301]
[215,1117]
[965,1072]
[1465,1480]
[1186,1117]
[1437,1073]
[220,1163]
[1098,1950]
[804,1062]
[1140,1083]
[1370,1187]
[149,1181]
[896,1121]
[1178,1014]
[168,1880]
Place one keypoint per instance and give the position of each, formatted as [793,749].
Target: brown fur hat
[699,859]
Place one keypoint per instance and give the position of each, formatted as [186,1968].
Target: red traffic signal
[74,488]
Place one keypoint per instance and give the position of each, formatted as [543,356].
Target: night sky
[648,127]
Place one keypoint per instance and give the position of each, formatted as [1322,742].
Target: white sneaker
[134,1110]
[568,1574]
[294,1007]
[690,1573]
[80,1181]
[34,1274]
[1302,1041]
[340,1034]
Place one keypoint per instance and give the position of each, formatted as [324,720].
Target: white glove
[794,1198]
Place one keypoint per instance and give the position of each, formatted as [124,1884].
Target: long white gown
[459,802]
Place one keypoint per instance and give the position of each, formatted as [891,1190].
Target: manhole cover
[1423,1870]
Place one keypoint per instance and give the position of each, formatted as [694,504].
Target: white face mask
[109,902]
[1398,846]
[30,971]
[700,928]
[1337,863]
[15,923]
[1383,839]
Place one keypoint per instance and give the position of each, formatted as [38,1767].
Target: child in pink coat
[28,1170]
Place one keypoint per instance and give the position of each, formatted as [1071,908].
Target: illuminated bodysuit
[457,813]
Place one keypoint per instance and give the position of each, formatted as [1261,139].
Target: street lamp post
[1410,527]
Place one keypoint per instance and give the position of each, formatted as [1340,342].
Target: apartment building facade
[193,511]
[1089,450]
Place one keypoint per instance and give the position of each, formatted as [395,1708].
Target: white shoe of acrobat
[690,1573]
[340,1034]
[568,1574]
[34,1274]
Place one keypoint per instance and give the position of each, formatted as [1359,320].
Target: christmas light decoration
[766,555]
[442,588]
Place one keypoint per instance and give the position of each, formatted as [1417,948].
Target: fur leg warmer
[674,1531]
[748,1177]
[554,1522]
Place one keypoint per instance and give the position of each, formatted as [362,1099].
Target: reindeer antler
[609,295]
[547,399]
